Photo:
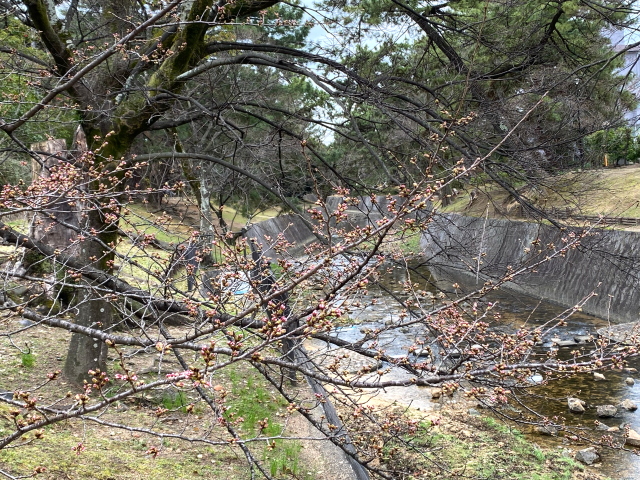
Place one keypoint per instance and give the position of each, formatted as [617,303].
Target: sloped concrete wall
[291,228]
[295,231]
[367,211]
[607,262]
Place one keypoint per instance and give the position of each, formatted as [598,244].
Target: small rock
[630,370]
[606,411]
[629,381]
[21,290]
[536,378]
[633,439]
[566,343]
[26,323]
[436,393]
[473,412]
[613,429]
[588,456]
[628,405]
[601,426]
[583,338]
[547,430]
[598,377]
[576,405]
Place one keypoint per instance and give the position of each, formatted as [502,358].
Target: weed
[28,360]
[502,427]
[539,454]
[172,400]
[283,459]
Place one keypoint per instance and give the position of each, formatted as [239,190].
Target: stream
[549,399]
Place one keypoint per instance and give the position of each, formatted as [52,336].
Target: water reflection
[517,310]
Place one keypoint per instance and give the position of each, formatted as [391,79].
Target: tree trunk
[86,353]
[48,226]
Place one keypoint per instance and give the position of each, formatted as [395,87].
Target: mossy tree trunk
[113,121]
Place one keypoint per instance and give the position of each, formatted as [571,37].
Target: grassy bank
[453,444]
[611,191]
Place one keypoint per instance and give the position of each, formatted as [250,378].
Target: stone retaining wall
[607,262]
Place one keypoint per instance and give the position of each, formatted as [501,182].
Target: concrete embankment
[289,230]
[607,262]
[296,233]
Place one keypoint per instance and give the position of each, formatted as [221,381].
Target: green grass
[257,406]
[22,225]
[475,448]
[28,360]
[175,400]
[119,457]
[253,402]
[283,459]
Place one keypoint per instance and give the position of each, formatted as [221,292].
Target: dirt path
[320,457]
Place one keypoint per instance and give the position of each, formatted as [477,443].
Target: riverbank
[604,261]
[603,191]
[458,441]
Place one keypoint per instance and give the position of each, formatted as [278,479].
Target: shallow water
[549,399]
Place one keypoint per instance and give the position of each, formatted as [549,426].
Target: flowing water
[549,399]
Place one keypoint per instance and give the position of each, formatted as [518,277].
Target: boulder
[628,405]
[630,370]
[629,381]
[606,411]
[598,377]
[633,438]
[588,456]
[547,430]
[576,405]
